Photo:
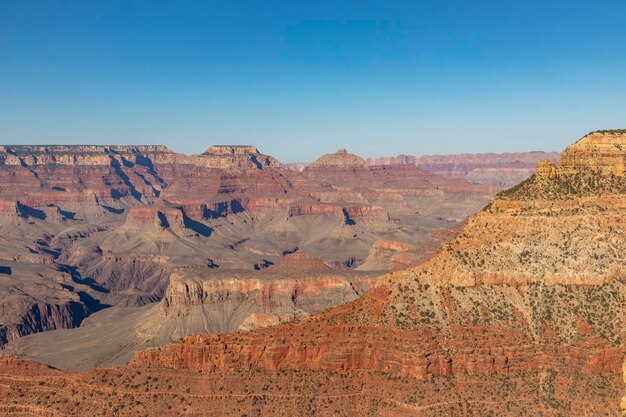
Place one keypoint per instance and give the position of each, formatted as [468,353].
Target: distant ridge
[503,169]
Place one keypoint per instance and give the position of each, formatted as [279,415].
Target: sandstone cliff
[530,291]
[199,301]
[601,151]
[117,221]
[457,335]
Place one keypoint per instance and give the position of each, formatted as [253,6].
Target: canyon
[520,312]
[86,229]
[196,303]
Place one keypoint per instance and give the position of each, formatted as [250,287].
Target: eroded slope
[515,317]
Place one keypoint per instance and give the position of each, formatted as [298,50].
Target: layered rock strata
[510,318]
[504,169]
[196,302]
[532,290]
[118,221]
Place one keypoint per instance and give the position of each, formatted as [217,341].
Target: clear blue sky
[302,78]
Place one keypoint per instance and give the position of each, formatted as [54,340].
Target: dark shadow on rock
[67,215]
[263,264]
[290,251]
[91,303]
[222,209]
[77,278]
[256,162]
[112,209]
[200,228]
[146,162]
[120,173]
[236,207]
[163,220]
[116,194]
[30,212]
[347,217]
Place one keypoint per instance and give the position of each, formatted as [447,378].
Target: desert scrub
[585,183]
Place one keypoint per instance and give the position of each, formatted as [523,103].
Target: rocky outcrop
[341,158]
[310,209]
[108,174]
[588,173]
[390,255]
[153,218]
[296,287]
[81,155]
[331,350]
[545,169]
[140,391]
[36,317]
[33,299]
[229,157]
[555,213]
[75,175]
[393,160]
[350,215]
[602,151]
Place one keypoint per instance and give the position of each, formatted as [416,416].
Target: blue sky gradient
[299,79]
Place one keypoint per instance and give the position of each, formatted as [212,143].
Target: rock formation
[229,157]
[34,299]
[520,295]
[501,170]
[521,314]
[341,158]
[295,166]
[505,169]
[601,151]
[117,221]
[393,160]
[199,301]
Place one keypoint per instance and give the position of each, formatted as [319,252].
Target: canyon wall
[531,289]
[505,169]
[119,220]
[522,313]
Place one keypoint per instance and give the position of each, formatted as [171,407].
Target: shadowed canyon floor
[522,313]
